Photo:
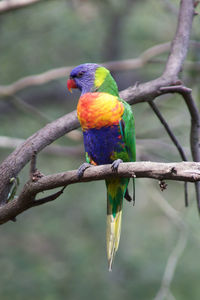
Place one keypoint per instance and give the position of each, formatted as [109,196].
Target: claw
[82,169]
[116,164]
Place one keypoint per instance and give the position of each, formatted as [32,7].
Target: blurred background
[58,250]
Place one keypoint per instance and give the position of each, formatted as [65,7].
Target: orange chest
[96,110]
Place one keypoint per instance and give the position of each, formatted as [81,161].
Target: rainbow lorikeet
[109,137]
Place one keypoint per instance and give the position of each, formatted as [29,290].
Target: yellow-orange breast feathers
[96,110]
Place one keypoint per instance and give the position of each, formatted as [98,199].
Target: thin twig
[48,198]
[174,140]
[168,129]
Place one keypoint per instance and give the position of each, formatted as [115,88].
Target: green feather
[108,84]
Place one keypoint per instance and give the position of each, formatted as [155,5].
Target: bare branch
[182,37]
[184,171]
[49,198]
[8,5]
[180,171]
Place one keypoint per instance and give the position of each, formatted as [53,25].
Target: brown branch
[8,5]
[48,198]
[182,37]
[184,171]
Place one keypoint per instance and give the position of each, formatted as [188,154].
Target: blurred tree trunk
[112,47]
[115,17]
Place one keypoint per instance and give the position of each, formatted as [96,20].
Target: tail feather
[113,236]
[116,189]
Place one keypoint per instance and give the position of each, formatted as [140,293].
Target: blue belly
[100,144]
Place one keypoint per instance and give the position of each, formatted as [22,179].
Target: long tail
[116,189]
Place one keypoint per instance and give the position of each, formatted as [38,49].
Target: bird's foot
[116,164]
[82,169]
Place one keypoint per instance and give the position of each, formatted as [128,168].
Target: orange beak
[71,84]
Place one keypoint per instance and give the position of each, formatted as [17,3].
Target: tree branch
[182,37]
[8,5]
[183,171]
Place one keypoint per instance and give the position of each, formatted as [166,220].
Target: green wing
[127,126]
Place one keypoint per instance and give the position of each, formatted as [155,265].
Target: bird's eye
[80,74]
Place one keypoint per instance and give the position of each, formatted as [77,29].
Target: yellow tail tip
[113,236]
[110,266]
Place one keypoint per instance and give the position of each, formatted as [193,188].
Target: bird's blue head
[83,77]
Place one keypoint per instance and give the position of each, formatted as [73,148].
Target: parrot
[108,128]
